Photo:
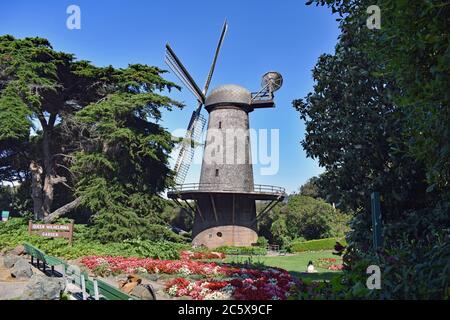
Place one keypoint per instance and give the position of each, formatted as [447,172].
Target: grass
[295,264]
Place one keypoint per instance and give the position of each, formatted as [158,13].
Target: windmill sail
[189,143]
[197,122]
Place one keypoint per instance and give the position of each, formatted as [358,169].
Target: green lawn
[295,264]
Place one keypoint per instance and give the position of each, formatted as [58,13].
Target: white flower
[204,291]
[173,290]
[184,270]
[141,270]
[217,295]
[190,286]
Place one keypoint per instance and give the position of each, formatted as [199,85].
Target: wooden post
[83,287]
[96,295]
[71,232]
[376,220]
[30,223]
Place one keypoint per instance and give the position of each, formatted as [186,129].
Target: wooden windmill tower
[223,202]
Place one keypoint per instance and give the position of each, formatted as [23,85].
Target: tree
[310,188]
[410,52]
[311,218]
[37,88]
[123,161]
[356,132]
[280,232]
[96,132]
[377,120]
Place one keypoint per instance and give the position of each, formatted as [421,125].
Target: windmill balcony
[194,190]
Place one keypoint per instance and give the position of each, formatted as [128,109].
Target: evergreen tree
[78,134]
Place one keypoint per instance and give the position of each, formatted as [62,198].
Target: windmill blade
[183,79]
[172,57]
[216,54]
[188,145]
[197,122]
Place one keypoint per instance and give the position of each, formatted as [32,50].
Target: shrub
[314,218]
[229,250]
[315,245]
[14,232]
[262,242]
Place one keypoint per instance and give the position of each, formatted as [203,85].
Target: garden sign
[52,230]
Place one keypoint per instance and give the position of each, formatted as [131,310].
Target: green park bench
[282,252]
[108,292]
[37,254]
[94,289]
[100,290]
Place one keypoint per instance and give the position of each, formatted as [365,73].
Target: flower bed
[191,255]
[132,265]
[240,283]
[245,284]
[329,263]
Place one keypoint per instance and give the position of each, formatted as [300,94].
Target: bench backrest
[33,251]
[111,293]
[73,275]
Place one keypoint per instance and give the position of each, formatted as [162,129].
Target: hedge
[229,250]
[316,245]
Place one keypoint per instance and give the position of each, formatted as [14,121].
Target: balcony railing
[257,188]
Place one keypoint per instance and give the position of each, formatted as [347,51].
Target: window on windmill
[220,124]
[219,234]
[217,172]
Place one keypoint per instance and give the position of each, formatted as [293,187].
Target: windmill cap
[229,94]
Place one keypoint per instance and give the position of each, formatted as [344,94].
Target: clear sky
[283,35]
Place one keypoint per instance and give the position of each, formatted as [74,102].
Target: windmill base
[231,235]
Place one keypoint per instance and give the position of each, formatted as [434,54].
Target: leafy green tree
[314,219]
[265,221]
[310,188]
[413,43]
[355,131]
[123,161]
[378,120]
[92,130]
[279,232]
[409,52]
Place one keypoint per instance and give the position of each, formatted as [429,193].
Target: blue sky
[285,36]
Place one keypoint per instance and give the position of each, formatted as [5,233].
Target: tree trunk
[63,210]
[44,177]
[48,171]
[36,190]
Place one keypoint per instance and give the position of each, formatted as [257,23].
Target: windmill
[197,122]
[223,203]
